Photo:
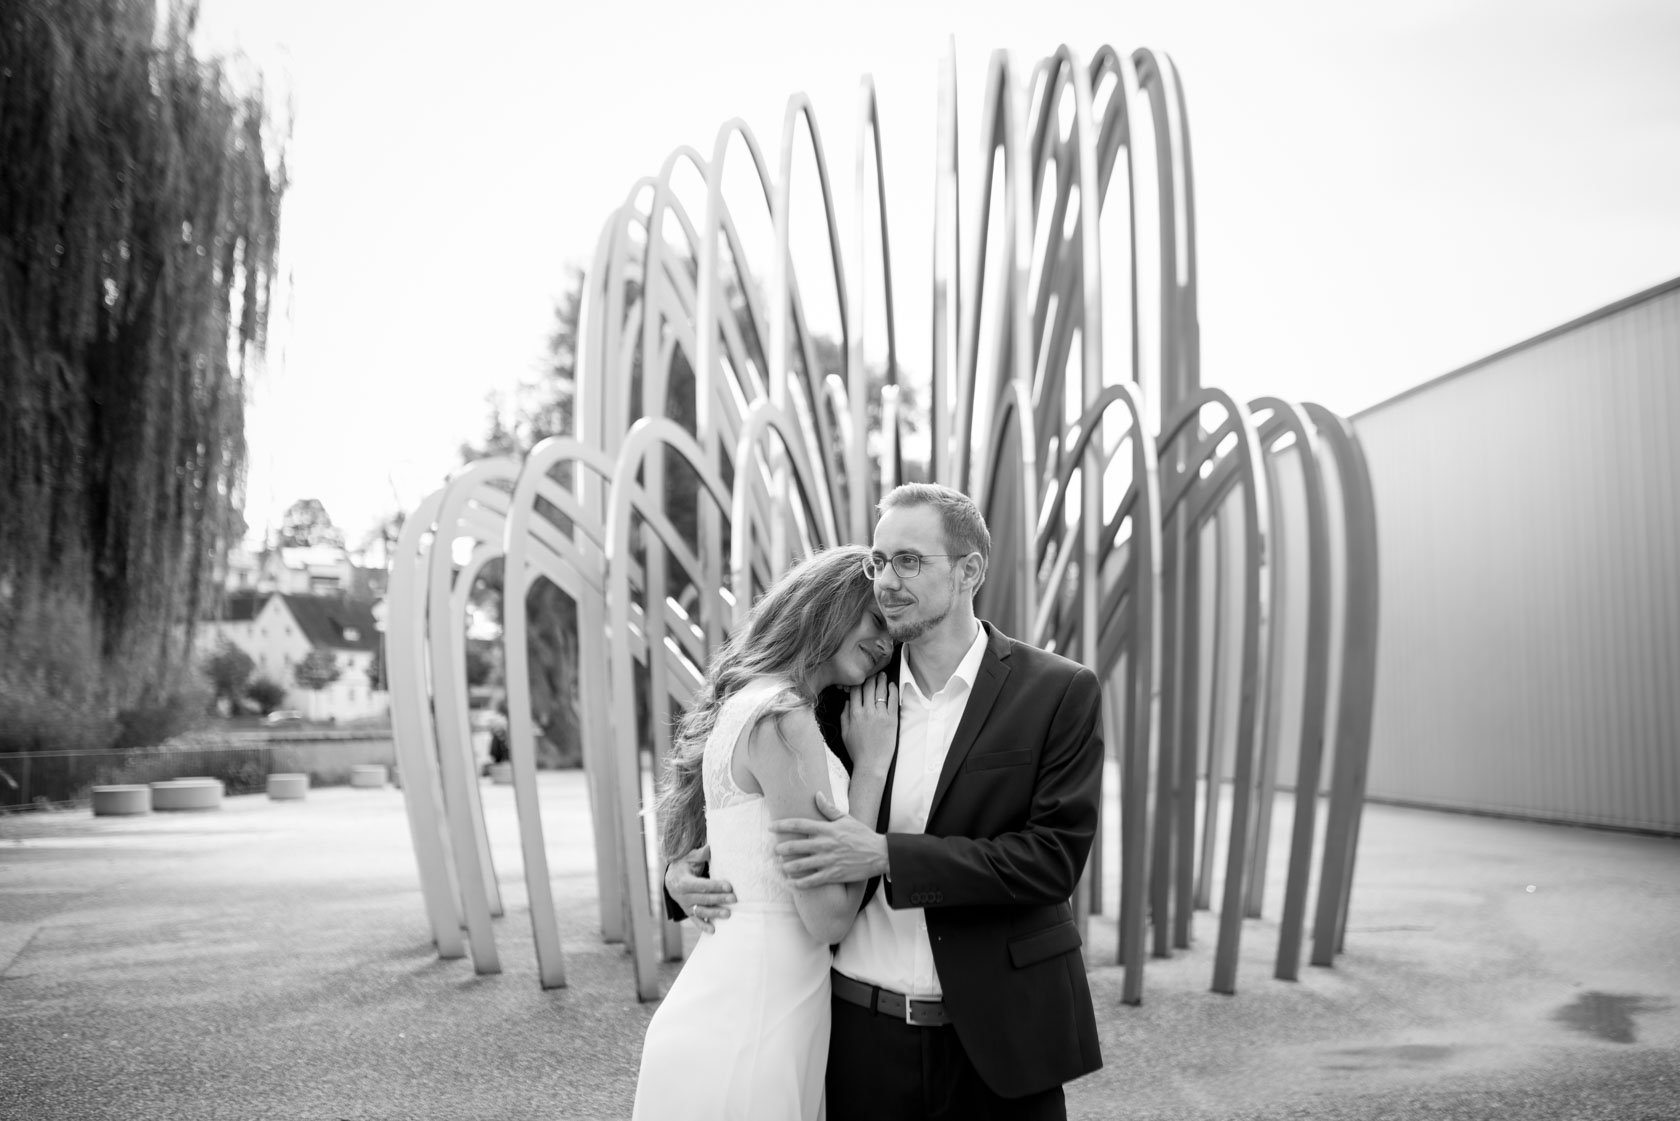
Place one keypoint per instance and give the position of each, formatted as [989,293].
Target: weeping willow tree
[140,191]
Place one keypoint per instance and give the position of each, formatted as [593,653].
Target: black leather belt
[916,1013]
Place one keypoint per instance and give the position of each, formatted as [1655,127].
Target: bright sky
[1383,195]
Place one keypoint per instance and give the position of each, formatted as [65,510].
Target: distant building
[238,623]
[300,570]
[241,568]
[278,630]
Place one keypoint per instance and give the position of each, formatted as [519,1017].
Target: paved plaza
[271,960]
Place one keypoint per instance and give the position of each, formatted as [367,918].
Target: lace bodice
[737,822]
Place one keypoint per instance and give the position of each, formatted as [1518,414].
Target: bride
[743,1033]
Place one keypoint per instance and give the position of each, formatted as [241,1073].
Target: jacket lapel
[988,683]
[884,816]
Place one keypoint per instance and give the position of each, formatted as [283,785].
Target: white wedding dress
[743,1033]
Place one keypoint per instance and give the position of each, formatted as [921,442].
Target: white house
[279,630]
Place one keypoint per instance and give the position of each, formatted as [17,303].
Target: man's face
[912,607]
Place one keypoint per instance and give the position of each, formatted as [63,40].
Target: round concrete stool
[501,774]
[370,776]
[113,801]
[187,794]
[287,787]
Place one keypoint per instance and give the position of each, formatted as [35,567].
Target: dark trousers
[881,1069]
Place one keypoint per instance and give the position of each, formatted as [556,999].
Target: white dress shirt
[889,947]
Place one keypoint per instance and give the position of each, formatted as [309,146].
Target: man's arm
[1039,863]
[689,894]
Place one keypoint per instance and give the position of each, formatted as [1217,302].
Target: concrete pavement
[271,960]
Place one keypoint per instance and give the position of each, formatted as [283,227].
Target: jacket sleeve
[1037,864]
[672,910]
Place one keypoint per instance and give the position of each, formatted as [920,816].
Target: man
[960,991]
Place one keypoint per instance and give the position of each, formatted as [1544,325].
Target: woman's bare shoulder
[786,727]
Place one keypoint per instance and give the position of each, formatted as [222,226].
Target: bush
[153,722]
[266,693]
[229,670]
[318,669]
[241,770]
[50,694]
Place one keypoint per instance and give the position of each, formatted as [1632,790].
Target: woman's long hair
[793,630]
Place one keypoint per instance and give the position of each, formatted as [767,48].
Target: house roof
[241,606]
[334,622]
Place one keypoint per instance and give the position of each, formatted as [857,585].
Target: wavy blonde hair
[792,632]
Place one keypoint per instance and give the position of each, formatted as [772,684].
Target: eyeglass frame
[874,570]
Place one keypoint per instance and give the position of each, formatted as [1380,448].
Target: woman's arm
[787,757]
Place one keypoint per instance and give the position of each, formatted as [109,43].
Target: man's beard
[910,632]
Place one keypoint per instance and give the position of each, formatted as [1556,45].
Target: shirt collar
[967,669]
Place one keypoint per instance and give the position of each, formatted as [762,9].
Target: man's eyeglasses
[907,565]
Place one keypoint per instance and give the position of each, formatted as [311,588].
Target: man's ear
[974,570]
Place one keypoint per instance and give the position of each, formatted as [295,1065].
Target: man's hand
[840,850]
[706,901]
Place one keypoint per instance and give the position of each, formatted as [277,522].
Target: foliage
[140,198]
[481,662]
[242,770]
[376,668]
[317,670]
[542,404]
[266,693]
[49,686]
[542,407]
[379,542]
[306,522]
[552,659]
[158,720]
[229,671]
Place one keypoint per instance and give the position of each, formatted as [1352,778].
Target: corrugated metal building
[1529,516]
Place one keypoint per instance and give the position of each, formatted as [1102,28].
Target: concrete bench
[114,801]
[187,794]
[287,787]
[369,776]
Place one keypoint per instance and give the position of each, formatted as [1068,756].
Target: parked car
[284,716]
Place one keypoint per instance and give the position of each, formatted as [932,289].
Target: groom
[960,991]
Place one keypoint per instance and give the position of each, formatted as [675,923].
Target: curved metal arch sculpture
[1098,487]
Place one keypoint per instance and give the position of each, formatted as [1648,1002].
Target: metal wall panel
[1529,521]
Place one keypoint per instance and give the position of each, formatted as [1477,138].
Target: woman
[743,1033]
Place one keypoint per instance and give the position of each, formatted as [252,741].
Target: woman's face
[863,651]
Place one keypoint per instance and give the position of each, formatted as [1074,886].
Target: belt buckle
[910,1014]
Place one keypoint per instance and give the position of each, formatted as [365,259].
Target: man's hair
[964,529]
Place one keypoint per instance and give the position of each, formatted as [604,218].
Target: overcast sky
[1383,194]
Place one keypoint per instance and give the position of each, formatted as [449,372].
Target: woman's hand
[869,724]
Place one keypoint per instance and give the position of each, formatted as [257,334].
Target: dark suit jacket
[1013,818]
